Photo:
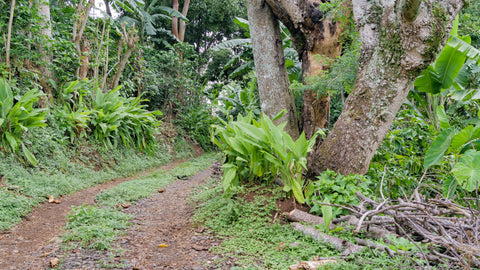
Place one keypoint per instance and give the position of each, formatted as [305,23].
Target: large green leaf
[437,149]
[448,65]
[464,136]
[30,157]
[442,117]
[467,170]
[6,98]
[429,81]
[463,45]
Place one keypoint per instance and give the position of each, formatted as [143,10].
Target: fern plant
[18,118]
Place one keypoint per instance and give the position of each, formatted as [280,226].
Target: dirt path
[163,218]
[28,245]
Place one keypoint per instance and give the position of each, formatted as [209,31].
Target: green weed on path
[96,227]
[145,186]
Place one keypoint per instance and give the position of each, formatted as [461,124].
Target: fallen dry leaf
[163,245]
[52,199]
[281,246]
[161,190]
[124,205]
[54,262]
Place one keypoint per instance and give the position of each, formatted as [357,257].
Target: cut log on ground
[346,247]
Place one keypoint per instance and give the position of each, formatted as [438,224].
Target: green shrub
[115,118]
[111,118]
[261,150]
[335,188]
[17,118]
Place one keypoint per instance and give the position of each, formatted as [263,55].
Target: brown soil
[28,245]
[162,236]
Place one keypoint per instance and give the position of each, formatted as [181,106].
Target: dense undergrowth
[254,239]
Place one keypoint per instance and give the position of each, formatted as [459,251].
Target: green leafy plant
[462,145]
[335,188]
[17,118]
[115,119]
[448,76]
[237,100]
[262,150]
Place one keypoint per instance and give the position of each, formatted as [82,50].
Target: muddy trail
[161,237]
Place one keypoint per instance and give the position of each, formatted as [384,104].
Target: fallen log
[311,265]
[346,247]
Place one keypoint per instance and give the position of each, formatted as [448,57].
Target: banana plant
[245,56]
[448,76]
[18,118]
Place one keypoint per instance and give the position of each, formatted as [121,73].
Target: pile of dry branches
[451,231]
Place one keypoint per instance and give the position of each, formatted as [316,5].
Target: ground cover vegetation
[90,94]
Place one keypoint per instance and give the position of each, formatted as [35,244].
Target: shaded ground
[31,244]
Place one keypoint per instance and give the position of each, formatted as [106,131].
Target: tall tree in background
[273,82]
[9,37]
[399,40]
[178,29]
[79,24]
[130,39]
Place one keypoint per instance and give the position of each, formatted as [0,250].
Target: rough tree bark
[399,39]
[46,31]
[316,38]
[269,60]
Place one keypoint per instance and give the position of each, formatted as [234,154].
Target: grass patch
[12,208]
[145,186]
[93,227]
[253,241]
[96,227]
[63,170]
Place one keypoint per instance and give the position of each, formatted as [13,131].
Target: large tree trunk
[175,19]
[45,67]
[272,78]
[399,39]
[183,25]
[316,39]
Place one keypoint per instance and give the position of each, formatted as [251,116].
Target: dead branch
[440,222]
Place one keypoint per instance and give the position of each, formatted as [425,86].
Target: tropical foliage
[261,150]
[17,118]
